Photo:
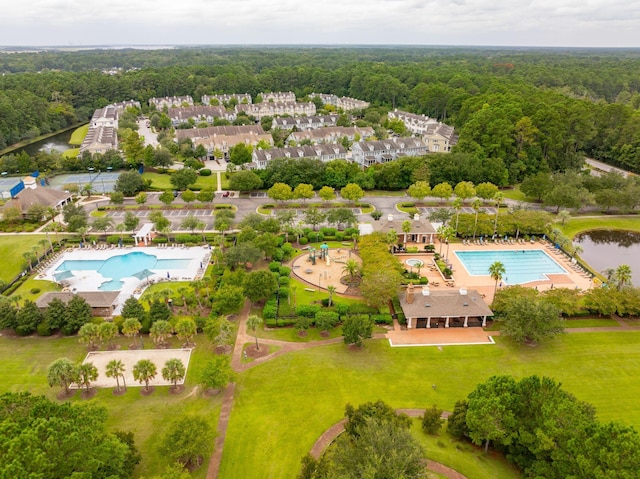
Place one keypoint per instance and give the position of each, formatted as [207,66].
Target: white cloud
[480,22]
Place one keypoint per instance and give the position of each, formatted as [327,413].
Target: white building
[367,153]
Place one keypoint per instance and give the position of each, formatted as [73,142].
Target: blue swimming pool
[521,266]
[123,266]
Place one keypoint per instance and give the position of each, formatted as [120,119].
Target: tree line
[528,110]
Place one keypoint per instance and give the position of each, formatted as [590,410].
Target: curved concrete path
[334,431]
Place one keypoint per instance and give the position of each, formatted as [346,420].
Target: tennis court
[103,182]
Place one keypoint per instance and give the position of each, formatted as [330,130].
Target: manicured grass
[291,334]
[25,288]
[384,193]
[311,387]
[163,182]
[516,194]
[469,460]
[308,297]
[591,323]
[25,363]
[78,135]
[579,224]
[11,249]
[71,153]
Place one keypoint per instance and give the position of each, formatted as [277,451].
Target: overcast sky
[582,23]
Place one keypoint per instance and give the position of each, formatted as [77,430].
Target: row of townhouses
[199,114]
[103,127]
[438,136]
[259,110]
[345,103]
[261,158]
[304,122]
[368,153]
[332,134]
[226,98]
[222,138]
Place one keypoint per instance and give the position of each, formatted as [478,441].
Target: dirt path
[223,422]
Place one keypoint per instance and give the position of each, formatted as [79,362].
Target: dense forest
[528,110]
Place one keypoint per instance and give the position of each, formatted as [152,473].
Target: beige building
[224,137]
[261,158]
[259,110]
[332,134]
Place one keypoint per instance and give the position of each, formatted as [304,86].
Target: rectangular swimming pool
[521,266]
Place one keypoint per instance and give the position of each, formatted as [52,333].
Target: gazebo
[432,309]
[144,234]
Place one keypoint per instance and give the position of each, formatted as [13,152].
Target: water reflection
[609,249]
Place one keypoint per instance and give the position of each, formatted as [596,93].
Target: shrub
[274,266]
[303,240]
[270,309]
[412,249]
[361,308]
[341,308]
[382,318]
[432,420]
[284,271]
[283,281]
[43,329]
[325,320]
[302,323]
[34,290]
[339,236]
[424,280]
[307,310]
[283,293]
[187,238]
[160,240]
[328,231]
[113,239]
[205,172]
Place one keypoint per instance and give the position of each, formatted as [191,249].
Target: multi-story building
[367,153]
[278,97]
[199,114]
[226,98]
[123,105]
[332,134]
[259,110]
[345,103]
[102,134]
[304,122]
[261,158]
[438,137]
[170,102]
[222,138]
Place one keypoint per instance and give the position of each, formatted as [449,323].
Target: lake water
[610,249]
[59,142]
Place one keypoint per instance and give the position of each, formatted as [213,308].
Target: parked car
[225,194]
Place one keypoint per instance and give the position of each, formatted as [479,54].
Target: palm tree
[331,289]
[496,270]
[131,328]
[406,229]
[44,243]
[499,198]
[253,322]
[173,371]
[144,371]
[61,373]
[121,228]
[159,331]
[89,334]
[457,205]
[477,203]
[352,268]
[88,189]
[622,275]
[563,216]
[115,369]
[86,372]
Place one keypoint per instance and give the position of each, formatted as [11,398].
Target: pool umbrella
[145,273]
[62,275]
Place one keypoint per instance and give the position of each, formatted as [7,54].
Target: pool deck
[87,280]
[484,284]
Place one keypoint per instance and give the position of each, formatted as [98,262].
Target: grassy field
[579,224]
[516,194]
[591,323]
[43,285]
[78,135]
[311,387]
[163,182]
[11,249]
[25,362]
[470,460]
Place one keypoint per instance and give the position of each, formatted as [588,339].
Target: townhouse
[368,153]
[261,158]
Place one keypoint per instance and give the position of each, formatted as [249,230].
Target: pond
[59,142]
[609,249]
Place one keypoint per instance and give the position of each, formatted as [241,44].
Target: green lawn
[11,249]
[78,135]
[516,194]
[43,285]
[291,334]
[71,153]
[579,224]
[469,460]
[311,387]
[163,182]
[591,323]
[25,362]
